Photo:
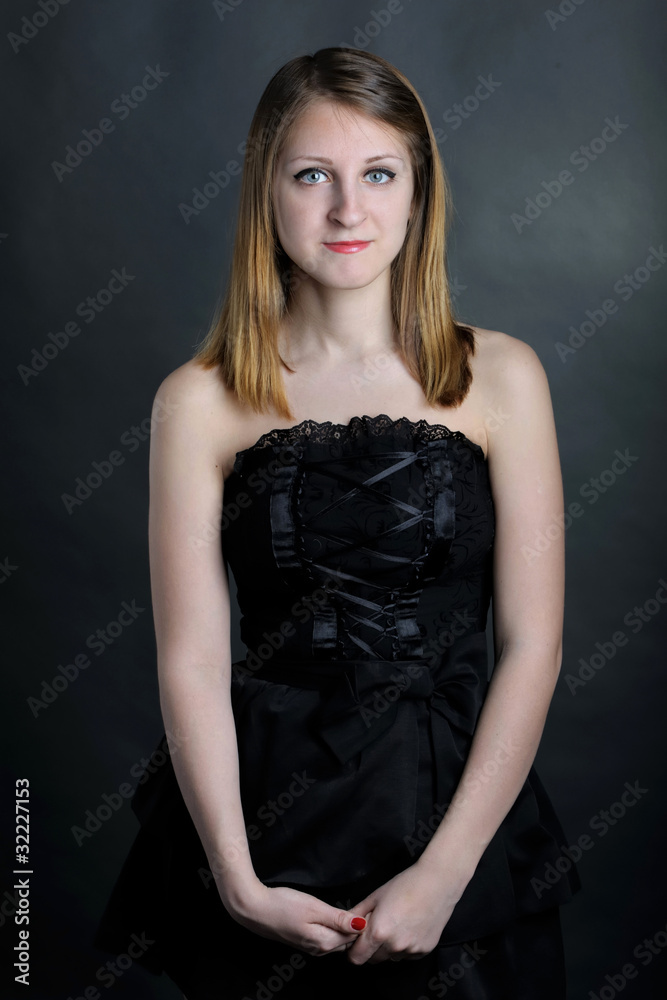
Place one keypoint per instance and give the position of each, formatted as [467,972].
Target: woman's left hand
[406,915]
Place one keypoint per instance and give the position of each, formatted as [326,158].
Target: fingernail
[358,923]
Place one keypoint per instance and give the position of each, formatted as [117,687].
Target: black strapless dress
[362,554]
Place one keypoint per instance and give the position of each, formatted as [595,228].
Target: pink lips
[348,246]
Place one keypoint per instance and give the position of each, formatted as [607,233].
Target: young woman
[354,792]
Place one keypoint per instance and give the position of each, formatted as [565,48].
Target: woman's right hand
[296,918]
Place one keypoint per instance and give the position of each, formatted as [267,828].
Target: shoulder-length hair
[243,340]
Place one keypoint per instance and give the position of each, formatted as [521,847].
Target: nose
[347,206]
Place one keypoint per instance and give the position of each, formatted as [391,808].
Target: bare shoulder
[205,409]
[511,394]
[502,361]
[193,386]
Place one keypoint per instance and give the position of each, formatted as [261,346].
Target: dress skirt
[524,961]
[210,956]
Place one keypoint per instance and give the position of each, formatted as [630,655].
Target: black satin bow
[363,696]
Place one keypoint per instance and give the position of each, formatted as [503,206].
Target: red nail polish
[358,923]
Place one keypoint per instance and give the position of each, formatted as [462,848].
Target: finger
[336,944]
[363,953]
[337,939]
[344,947]
[381,955]
[385,953]
[364,905]
[344,921]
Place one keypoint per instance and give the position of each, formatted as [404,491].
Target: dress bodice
[372,538]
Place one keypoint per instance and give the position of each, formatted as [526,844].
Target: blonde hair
[243,340]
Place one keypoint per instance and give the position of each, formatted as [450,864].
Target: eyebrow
[371,159]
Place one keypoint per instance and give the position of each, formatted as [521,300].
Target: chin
[343,282]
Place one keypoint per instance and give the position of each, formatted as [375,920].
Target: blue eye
[383,170]
[308,170]
[316,170]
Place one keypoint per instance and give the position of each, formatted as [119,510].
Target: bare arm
[528,591]
[191,613]
[407,914]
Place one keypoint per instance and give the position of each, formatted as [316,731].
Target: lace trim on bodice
[320,432]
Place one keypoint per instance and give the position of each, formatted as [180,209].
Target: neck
[330,326]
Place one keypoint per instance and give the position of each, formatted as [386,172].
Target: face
[342,177]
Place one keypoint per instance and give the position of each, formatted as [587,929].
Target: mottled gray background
[558,77]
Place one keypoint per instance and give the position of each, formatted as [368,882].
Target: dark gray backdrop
[584,268]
